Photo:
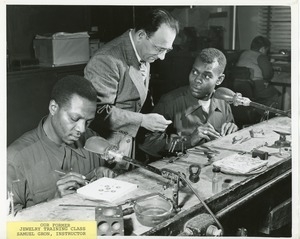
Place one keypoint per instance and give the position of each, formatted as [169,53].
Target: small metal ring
[205,132]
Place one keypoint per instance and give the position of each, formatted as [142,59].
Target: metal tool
[194,170]
[171,160]
[282,142]
[11,197]
[179,155]
[76,205]
[245,139]
[256,133]
[173,145]
[263,155]
[210,150]
[215,179]
[128,211]
[133,200]
[236,138]
[233,150]
[254,152]
[203,150]
[175,180]
[175,141]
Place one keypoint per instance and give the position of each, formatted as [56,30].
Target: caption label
[57,230]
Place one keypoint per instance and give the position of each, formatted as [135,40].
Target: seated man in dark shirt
[195,113]
[256,59]
[50,161]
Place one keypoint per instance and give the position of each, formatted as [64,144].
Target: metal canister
[242,232]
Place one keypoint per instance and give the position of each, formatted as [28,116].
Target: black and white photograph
[131,120]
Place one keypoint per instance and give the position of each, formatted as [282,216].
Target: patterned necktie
[143,70]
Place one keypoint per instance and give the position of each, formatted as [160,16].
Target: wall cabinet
[24,22]
[28,95]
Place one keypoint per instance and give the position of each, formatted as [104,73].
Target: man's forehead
[164,34]
[207,66]
[73,99]
[76,97]
[77,101]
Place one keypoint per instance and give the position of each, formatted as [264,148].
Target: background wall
[24,22]
[202,18]
[247,17]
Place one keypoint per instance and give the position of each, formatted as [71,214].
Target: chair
[242,83]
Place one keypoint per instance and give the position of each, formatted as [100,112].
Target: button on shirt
[33,159]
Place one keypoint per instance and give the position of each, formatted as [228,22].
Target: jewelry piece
[236,139]
[205,132]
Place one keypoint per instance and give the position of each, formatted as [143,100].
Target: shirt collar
[74,147]
[205,104]
[215,104]
[193,102]
[133,45]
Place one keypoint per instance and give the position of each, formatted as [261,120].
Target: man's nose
[80,126]
[199,79]
[162,55]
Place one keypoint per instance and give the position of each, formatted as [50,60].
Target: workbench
[237,193]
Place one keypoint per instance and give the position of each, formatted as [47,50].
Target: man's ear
[262,50]
[220,79]
[141,34]
[53,107]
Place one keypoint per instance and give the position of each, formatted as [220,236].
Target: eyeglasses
[158,48]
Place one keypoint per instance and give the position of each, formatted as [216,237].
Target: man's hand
[206,131]
[228,128]
[155,122]
[69,183]
[100,172]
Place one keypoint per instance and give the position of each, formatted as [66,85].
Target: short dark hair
[154,19]
[209,55]
[259,42]
[70,85]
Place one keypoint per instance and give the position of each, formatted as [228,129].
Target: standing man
[195,113]
[120,73]
[50,161]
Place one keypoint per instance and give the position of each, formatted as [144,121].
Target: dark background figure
[257,60]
